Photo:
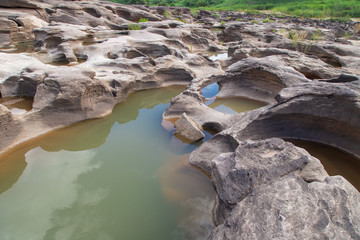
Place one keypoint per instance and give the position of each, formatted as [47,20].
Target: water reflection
[218,56]
[37,197]
[17,105]
[235,105]
[210,90]
[111,178]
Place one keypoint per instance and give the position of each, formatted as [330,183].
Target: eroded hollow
[335,161]
[235,105]
[17,105]
[307,127]
[336,135]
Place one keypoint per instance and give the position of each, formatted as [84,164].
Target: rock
[321,112]
[7,26]
[19,3]
[193,105]
[332,118]
[258,78]
[343,78]
[59,42]
[9,128]
[220,143]
[312,68]
[134,14]
[9,69]
[258,162]
[292,209]
[188,130]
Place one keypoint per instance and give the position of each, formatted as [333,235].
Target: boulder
[311,67]
[188,130]
[259,162]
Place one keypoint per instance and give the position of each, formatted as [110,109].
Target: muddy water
[17,105]
[235,105]
[121,177]
[335,161]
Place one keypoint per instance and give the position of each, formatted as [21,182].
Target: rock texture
[268,188]
[77,59]
[188,130]
[292,209]
[80,58]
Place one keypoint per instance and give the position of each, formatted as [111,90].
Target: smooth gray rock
[259,78]
[220,143]
[188,130]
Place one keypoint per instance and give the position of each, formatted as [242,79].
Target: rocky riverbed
[75,60]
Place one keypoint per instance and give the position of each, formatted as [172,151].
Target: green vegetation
[180,20]
[267,20]
[301,42]
[134,27]
[335,9]
[143,20]
[166,14]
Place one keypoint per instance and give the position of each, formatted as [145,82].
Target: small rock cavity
[235,105]
[17,105]
[335,161]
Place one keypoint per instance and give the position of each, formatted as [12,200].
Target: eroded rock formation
[82,58]
[77,59]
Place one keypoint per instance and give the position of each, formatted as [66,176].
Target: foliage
[180,20]
[300,39]
[199,3]
[267,20]
[304,8]
[134,27]
[143,20]
[166,14]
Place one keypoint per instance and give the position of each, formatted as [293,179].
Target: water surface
[17,105]
[335,162]
[234,105]
[121,177]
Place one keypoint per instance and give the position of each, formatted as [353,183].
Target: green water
[235,105]
[121,177]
